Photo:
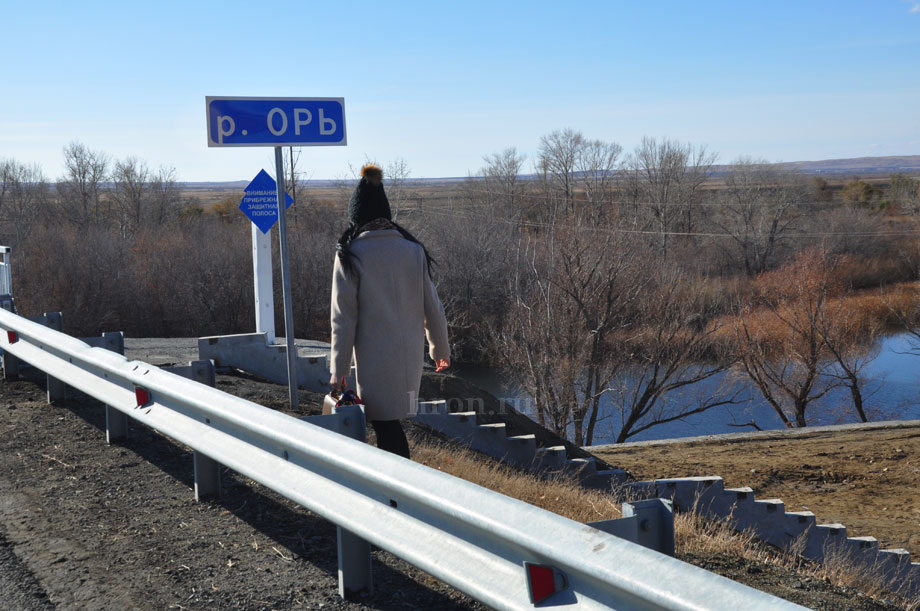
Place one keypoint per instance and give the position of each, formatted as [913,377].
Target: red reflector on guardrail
[142,395]
[12,337]
[543,581]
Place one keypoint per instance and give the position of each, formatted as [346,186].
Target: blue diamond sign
[260,203]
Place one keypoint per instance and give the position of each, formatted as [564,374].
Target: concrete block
[490,439]
[551,458]
[649,523]
[767,519]
[459,425]
[202,372]
[624,528]
[432,407]
[824,539]
[252,353]
[582,468]
[611,480]
[691,493]
[642,490]
[52,320]
[861,550]
[656,523]
[113,340]
[796,525]
[910,585]
[520,450]
[894,563]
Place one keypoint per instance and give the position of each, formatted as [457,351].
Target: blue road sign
[275,121]
[260,203]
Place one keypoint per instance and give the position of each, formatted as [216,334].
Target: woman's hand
[441,365]
[336,384]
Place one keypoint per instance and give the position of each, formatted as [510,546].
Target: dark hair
[343,247]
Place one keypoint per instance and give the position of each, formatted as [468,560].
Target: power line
[538,225]
[541,197]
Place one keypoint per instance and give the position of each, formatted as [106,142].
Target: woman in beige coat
[384,303]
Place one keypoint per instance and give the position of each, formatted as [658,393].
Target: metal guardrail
[476,540]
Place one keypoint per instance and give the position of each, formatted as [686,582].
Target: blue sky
[442,84]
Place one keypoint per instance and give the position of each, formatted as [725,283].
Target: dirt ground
[867,480]
[88,526]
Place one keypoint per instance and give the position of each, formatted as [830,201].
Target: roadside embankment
[866,477]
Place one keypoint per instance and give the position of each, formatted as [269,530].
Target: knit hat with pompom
[369,201]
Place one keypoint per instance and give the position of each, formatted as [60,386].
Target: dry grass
[698,536]
[694,535]
[559,494]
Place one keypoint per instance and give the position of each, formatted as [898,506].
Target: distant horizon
[913,167]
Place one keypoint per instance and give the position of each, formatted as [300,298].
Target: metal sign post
[286,283]
[274,122]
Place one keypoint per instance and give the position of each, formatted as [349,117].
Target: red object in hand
[441,365]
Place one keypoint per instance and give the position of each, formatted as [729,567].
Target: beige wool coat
[381,314]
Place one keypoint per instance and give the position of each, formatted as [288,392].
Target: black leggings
[391,437]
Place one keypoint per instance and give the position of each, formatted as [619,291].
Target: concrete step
[766,518]
[824,539]
[862,548]
[459,426]
[582,468]
[608,480]
[700,493]
[895,564]
[797,524]
[432,407]
[490,439]
[520,450]
[551,458]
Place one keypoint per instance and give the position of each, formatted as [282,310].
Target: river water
[891,392]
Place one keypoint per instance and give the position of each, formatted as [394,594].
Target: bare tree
[397,173]
[24,197]
[905,193]
[80,189]
[141,198]
[130,195]
[759,210]
[597,164]
[502,179]
[779,336]
[572,289]
[849,339]
[294,176]
[671,352]
[165,196]
[666,177]
[557,158]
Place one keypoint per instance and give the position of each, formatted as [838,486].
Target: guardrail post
[116,425]
[207,470]
[207,476]
[10,366]
[355,572]
[57,390]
